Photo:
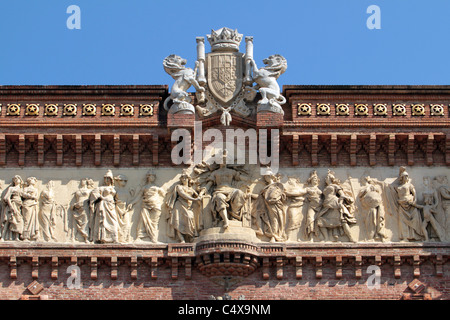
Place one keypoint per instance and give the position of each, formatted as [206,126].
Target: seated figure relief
[228,202]
[275,207]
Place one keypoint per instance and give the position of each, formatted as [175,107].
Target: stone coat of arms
[225,79]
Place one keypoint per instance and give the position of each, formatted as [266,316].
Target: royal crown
[224,39]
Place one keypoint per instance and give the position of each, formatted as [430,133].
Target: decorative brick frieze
[189,263]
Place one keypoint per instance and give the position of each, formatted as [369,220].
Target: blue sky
[324,41]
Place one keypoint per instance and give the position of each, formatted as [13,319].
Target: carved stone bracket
[35,267]
[94,266]
[55,264]
[227,258]
[13,268]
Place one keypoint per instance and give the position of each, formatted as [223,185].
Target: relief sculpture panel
[225,201]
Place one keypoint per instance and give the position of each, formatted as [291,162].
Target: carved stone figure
[11,219]
[104,219]
[227,202]
[266,80]
[30,197]
[184,78]
[314,202]
[197,206]
[270,209]
[443,191]
[372,203]
[295,196]
[181,220]
[123,207]
[403,200]
[336,214]
[150,209]
[47,213]
[80,210]
[429,210]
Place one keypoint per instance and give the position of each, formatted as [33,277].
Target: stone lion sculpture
[266,80]
[184,78]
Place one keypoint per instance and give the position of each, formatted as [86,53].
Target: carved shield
[225,74]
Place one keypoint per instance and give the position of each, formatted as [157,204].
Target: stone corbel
[55,265]
[295,141]
[319,266]
[339,267]
[333,149]
[372,150]
[439,265]
[430,145]
[59,150]
[154,268]
[410,150]
[155,148]
[174,263]
[21,150]
[98,150]
[353,145]
[188,268]
[2,149]
[78,150]
[378,261]
[35,267]
[40,149]
[135,149]
[314,150]
[391,150]
[114,268]
[13,267]
[279,266]
[416,265]
[73,261]
[266,268]
[397,262]
[358,267]
[298,267]
[94,267]
[133,267]
[116,143]
[447,150]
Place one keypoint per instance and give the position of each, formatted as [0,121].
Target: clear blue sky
[324,41]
